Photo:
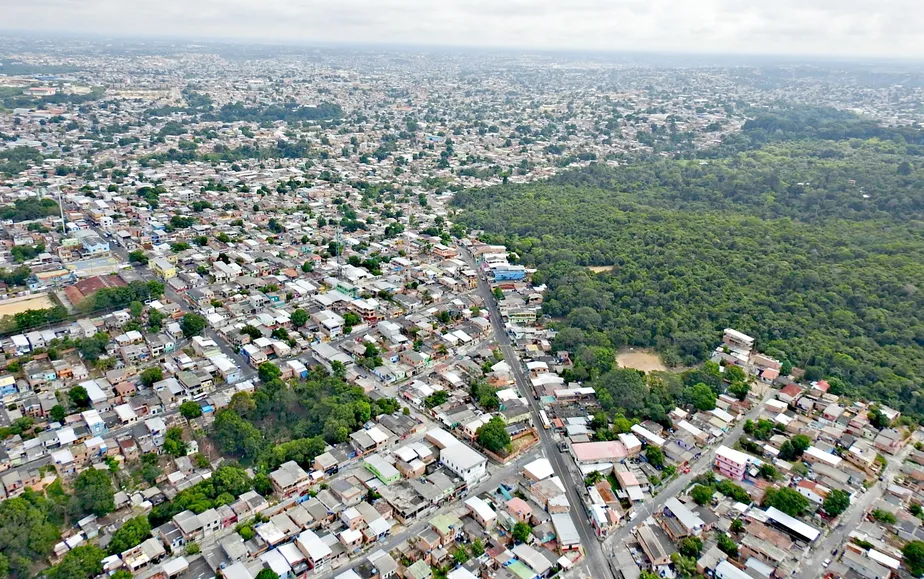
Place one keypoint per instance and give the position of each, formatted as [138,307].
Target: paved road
[812,566]
[677,486]
[594,557]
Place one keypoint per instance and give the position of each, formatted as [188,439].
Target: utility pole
[61,208]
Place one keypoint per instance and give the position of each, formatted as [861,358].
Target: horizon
[178,41]
[791,28]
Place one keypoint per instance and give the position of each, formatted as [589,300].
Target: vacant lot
[640,360]
[13,306]
[601,268]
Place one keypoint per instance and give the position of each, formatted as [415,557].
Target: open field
[600,268]
[640,360]
[13,306]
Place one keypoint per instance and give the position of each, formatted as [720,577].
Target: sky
[884,28]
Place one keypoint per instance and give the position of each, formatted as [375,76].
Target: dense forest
[289,112]
[293,421]
[775,241]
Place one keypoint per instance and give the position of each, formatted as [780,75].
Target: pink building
[731,463]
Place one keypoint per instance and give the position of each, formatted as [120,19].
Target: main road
[595,559]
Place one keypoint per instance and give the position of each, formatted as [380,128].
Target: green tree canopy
[129,535]
[193,325]
[702,494]
[836,502]
[913,557]
[190,410]
[493,435]
[787,500]
[94,491]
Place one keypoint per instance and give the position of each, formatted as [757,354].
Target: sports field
[13,306]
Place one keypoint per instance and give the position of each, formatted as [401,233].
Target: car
[686,470]
[826,563]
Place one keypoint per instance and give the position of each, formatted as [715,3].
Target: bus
[544,418]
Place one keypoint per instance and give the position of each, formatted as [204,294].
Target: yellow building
[163,268]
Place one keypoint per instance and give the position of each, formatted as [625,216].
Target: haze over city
[791,27]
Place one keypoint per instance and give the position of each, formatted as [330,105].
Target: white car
[826,563]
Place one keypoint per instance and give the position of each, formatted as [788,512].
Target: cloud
[829,27]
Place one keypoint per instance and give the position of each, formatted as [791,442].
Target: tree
[267,371]
[435,399]
[477,548]
[702,397]
[883,516]
[788,451]
[151,375]
[493,435]
[702,494]
[690,546]
[786,500]
[83,562]
[655,456]
[26,534]
[592,478]
[308,267]
[267,574]
[136,308]
[79,397]
[685,566]
[727,545]
[801,443]
[836,502]
[737,526]
[130,534]
[299,318]
[94,492]
[192,325]
[155,320]
[734,373]
[460,555]
[173,442]
[521,532]
[877,418]
[739,389]
[58,413]
[768,471]
[262,484]
[190,410]
[913,557]
[138,257]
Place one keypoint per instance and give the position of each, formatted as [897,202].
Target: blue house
[8,385]
[92,243]
[509,273]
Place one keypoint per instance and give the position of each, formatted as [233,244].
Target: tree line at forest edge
[698,245]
